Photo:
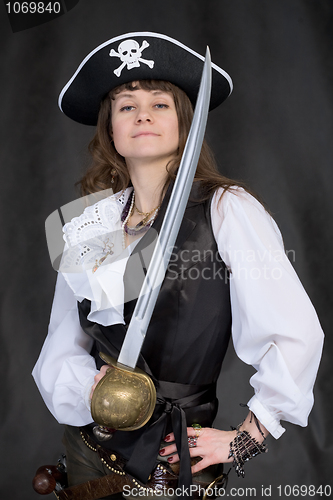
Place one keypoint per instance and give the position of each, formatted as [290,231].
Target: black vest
[189,331]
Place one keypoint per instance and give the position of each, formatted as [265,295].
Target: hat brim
[156,57]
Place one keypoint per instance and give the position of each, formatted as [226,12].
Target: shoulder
[236,210]
[94,234]
[99,217]
[236,199]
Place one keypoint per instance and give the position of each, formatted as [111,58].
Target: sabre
[138,325]
[173,217]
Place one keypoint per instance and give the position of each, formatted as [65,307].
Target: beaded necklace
[142,226]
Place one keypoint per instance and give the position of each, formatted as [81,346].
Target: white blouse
[274,325]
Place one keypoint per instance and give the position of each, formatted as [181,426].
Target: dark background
[275,132]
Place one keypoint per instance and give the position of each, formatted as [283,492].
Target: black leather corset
[189,331]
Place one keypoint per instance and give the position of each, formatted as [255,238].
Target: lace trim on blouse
[95,235]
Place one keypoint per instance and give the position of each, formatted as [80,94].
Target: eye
[161,106]
[127,108]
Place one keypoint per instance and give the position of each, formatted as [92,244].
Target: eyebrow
[122,95]
[130,95]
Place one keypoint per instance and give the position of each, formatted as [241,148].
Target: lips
[142,134]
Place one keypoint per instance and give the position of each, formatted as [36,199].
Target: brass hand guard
[124,399]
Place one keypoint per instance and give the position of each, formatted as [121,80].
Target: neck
[148,182]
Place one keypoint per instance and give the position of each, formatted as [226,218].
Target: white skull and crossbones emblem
[130,53]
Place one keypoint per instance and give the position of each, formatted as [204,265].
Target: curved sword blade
[172,220]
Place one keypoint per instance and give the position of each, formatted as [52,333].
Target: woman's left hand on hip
[212,445]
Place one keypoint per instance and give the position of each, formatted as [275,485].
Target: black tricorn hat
[132,57]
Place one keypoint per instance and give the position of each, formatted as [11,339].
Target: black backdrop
[275,132]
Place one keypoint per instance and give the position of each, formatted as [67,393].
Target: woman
[228,264]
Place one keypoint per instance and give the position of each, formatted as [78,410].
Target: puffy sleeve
[274,325]
[64,372]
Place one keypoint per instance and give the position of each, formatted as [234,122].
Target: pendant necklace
[143,225]
[107,250]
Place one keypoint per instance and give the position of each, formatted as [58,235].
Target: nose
[143,115]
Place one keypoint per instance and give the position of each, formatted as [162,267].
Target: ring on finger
[197,428]
[192,441]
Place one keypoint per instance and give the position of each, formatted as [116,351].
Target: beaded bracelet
[244,447]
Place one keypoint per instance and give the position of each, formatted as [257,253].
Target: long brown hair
[107,161]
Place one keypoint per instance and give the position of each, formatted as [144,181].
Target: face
[145,126]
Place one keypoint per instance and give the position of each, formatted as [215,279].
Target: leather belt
[164,475]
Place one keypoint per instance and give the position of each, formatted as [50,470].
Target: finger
[92,391]
[104,369]
[173,459]
[97,378]
[167,450]
[101,374]
[191,432]
[169,438]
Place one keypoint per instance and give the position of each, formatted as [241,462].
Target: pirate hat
[132,57]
